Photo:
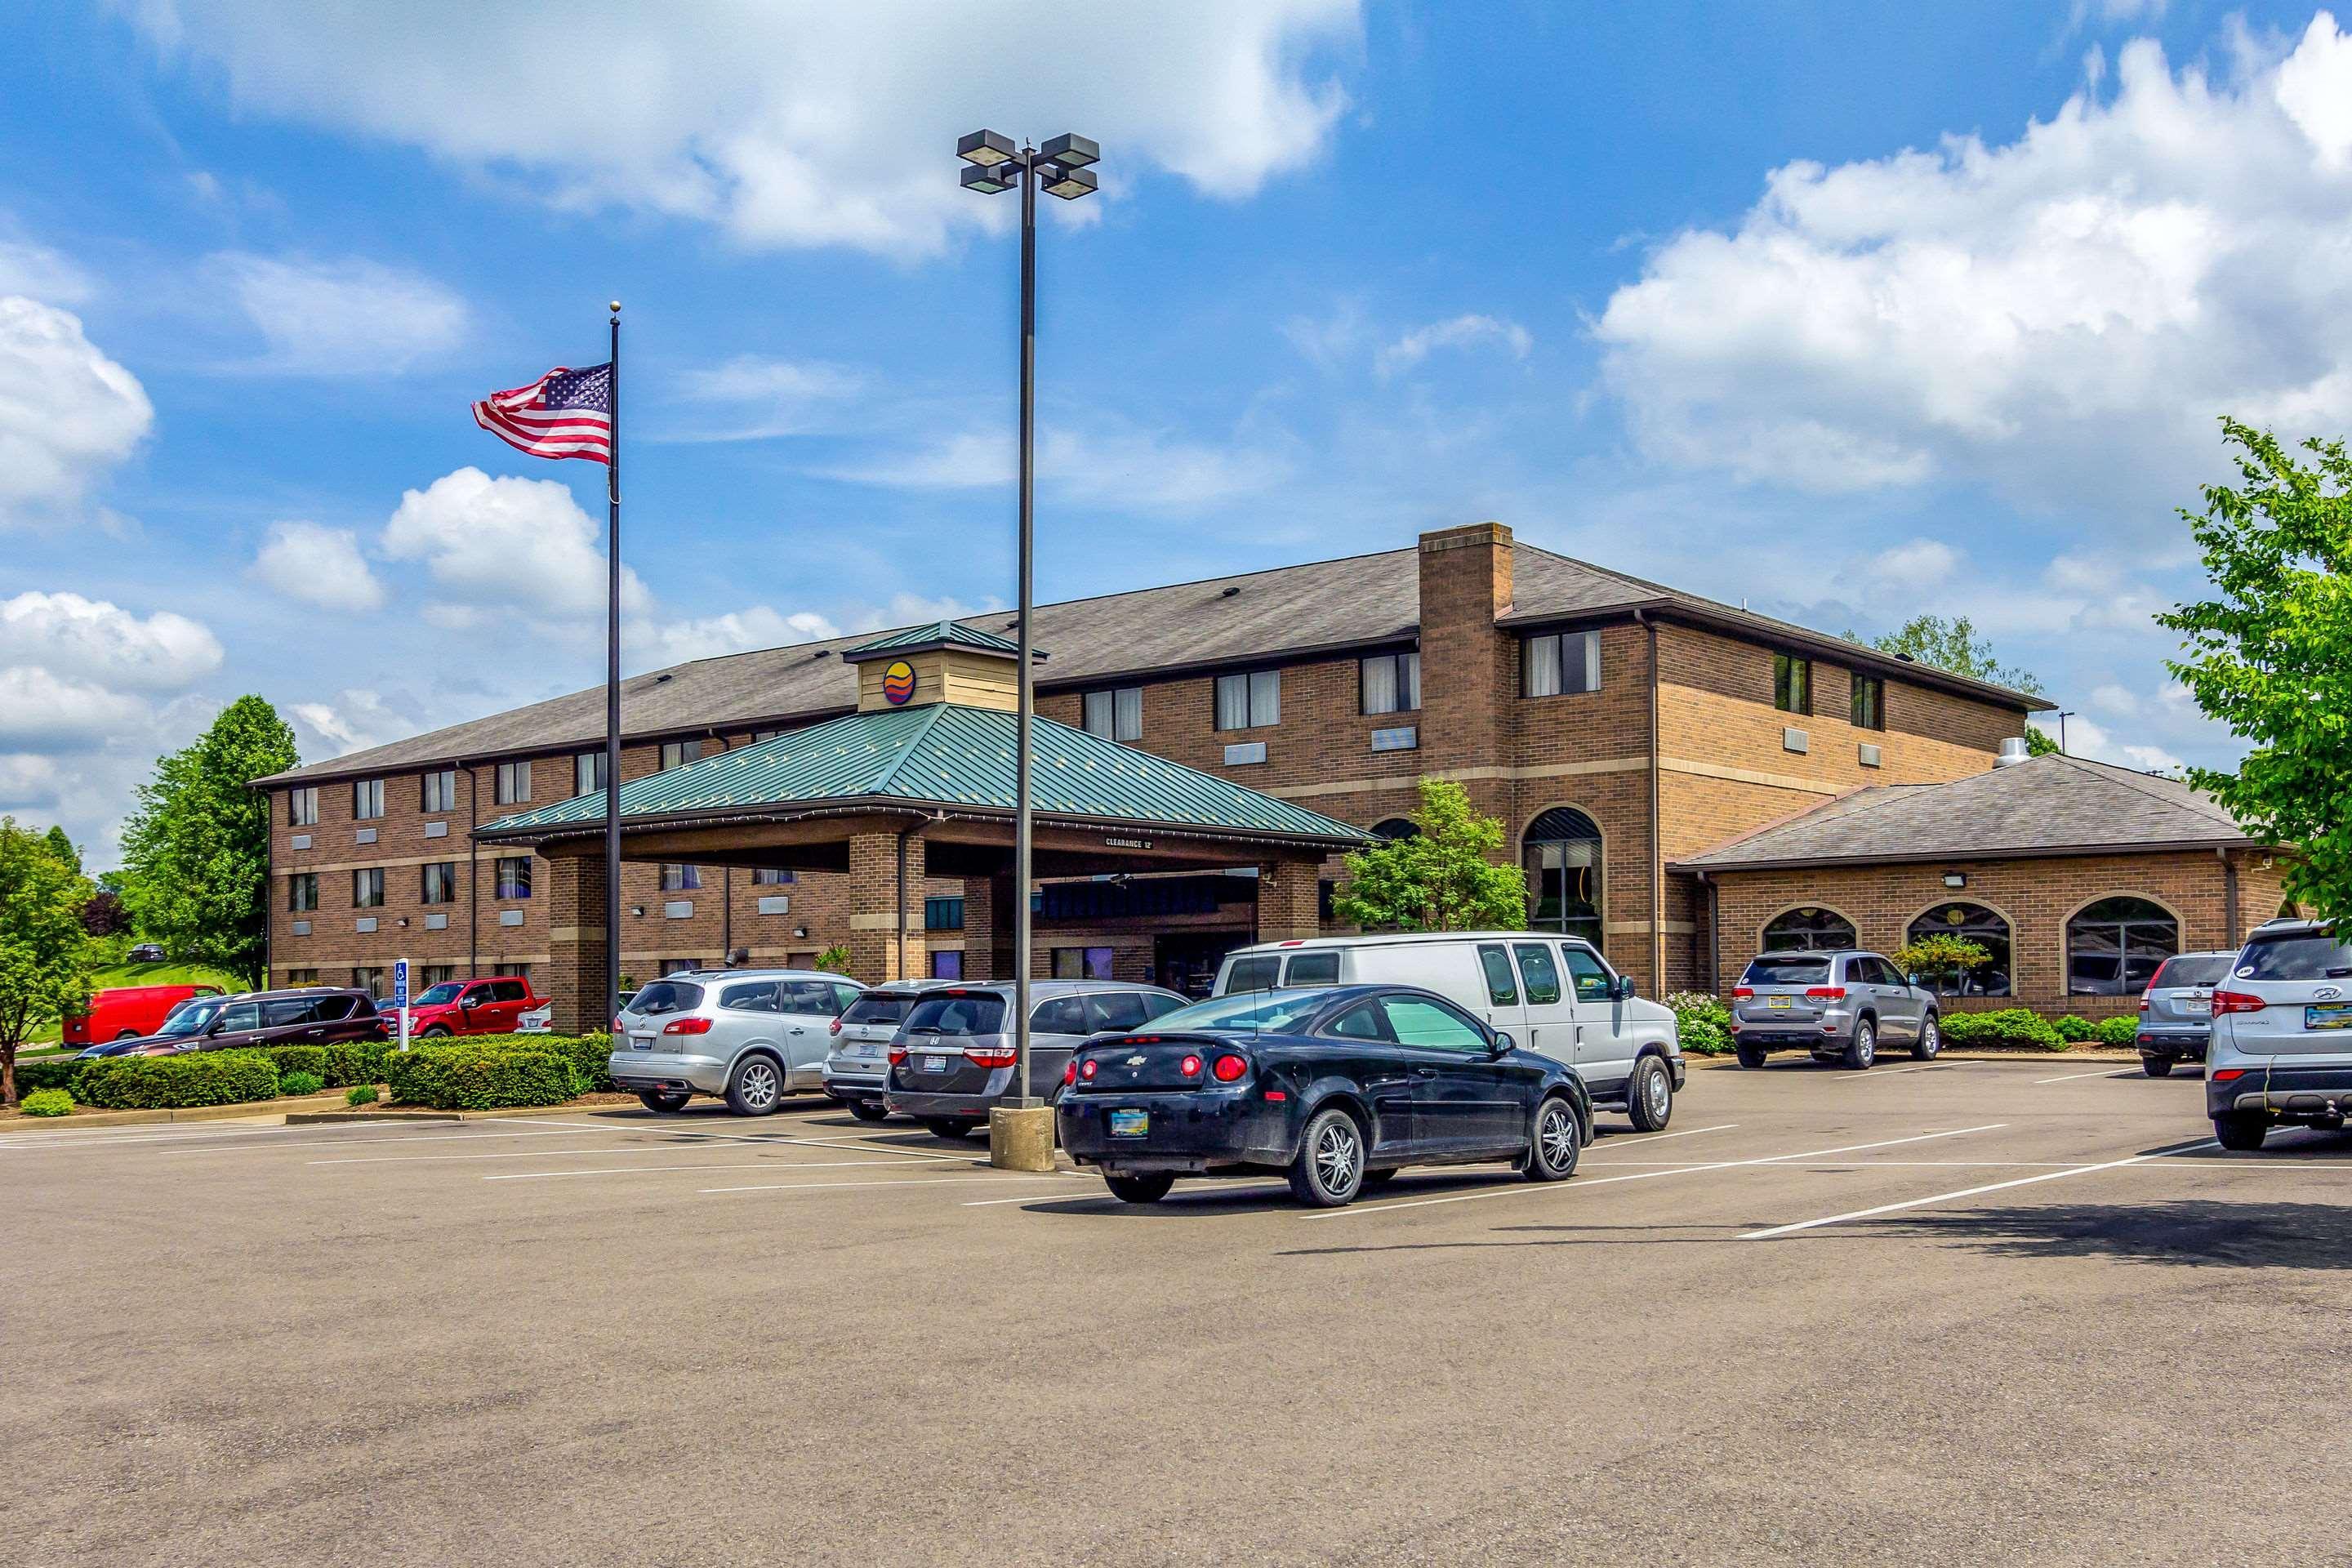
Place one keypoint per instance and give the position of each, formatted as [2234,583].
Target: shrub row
[1702,1023]
[198,1078]
[477,1075]
[586,1053]
[1706,1028]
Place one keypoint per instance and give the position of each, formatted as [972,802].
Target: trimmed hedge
[2009,1026]
[47,1072]
[198,1078]
[47,1102]
[586,1053]
[358,1061]
[469,1076]
[2124,1031]
[292,1060]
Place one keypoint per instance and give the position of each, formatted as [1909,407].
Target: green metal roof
[939,634]
[945,755]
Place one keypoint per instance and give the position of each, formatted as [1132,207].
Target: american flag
[565,414]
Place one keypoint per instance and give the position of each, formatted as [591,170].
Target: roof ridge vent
[2014,751]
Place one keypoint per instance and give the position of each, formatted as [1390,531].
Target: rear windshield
[1254,974]
[1786,972]
[2193,969]
[973,1013]
[668,996]
[1253,1014]
[2312,957]
[877,1007]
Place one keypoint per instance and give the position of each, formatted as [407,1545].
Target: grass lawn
[109,975]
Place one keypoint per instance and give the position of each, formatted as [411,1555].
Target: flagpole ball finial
[617,307]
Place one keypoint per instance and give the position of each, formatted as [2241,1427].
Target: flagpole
[613,695]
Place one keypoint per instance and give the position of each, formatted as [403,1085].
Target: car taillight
[616,1023]
[897,1056]
[1069,1072]
[2143,1001]
[1740,992]
[1827,993]
[1228,1069]
[2236,1001]
[687,1027]
[1088,1071]
[1001,1054]
[2226,1074]
[833,1027]
[1190,1067]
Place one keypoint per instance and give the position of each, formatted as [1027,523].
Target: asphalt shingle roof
[1357,600]
[951,756]
[2042,806]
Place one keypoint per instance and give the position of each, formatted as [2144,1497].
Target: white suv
[2281,1044]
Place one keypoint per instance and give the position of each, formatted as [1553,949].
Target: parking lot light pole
[993,165]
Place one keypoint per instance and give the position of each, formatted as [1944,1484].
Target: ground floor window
[1810,930]
[1969,922]
[1082,963]
[299,976]
[1562,857]
[439,974]
[947,964]
[370,981]
[514,876]
[680,878]
[675,965]
[2115,947]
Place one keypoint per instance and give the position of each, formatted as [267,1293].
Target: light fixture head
[1955,878]
[1071,184]
[986,147]
[988,182]
[1071,152]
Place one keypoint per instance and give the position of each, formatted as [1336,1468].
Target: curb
[316,1118]
[2096,1058]
[244,1110]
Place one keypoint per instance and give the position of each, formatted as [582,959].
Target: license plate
[861,1050]
[2328,1016]
[641,1042]
[935,1064]
[1779,1003]
[1130,1123]
[2196,1006]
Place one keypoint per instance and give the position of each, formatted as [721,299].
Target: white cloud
[1116,466]
[68,413]
[92,640]
[1921,563]
[2062,316]
[41,709]
[2085,738]
[749,398]
[357,718]
[675,639]
[349,317]
[40,273]
[518,547]
[1460,332]
[789,124]
[2110,696]
[318,565]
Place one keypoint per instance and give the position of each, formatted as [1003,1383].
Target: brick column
[987,928]
[576,943]
[881,949]
[1287,899]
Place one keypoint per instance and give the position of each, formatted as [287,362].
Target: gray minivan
[751,1035]
[952,1058]
[1838,1005]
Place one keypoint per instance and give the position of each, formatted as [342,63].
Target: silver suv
[857,1068]
[1838,1005]
[952,1058]
[2176,1011]
[750,1034]
[2282,1045]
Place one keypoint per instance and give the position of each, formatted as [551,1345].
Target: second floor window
[1249,702]
[367,798]
[302,806]
[677,753]
[302,891]
[367,888]
[514,782]
[514,876]
[1559,662]
[441,789]
[770,875]
[441,881]
[1116,715]
[588,773]
[1792,683]
[1391,683]
[681,878]
[1869,702]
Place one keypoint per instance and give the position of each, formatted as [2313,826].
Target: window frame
[1123,713]
[367,794]
[437,792]
[689,877]
[424,879]
[679,753]
[1260,699]
[508,775]
[501,884]
[367,894]
[2123,927]
[1870,713]
[588,771]
[1534,646]
[302,892]
[1792,683]
[302,806]
[1403,678]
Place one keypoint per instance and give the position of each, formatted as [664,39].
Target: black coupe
[1335,1087]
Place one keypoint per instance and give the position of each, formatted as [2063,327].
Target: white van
[1553,996]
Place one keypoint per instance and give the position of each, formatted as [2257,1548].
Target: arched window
[1809,931]
[1394,828]
[2115,947]
[1969,922]
[1562,856]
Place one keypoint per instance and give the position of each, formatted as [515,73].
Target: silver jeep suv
[1838,1005]
[753,1036]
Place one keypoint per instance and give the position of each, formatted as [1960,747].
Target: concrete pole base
[1021,1140]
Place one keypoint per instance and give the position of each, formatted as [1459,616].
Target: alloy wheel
[1556,1133]
[1338,1151]
[759,1084]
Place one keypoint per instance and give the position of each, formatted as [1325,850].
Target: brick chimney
[1468,673]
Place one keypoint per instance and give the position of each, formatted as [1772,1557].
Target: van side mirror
[1623,989]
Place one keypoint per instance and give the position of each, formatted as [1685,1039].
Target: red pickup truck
[470,1006]
[128,1012]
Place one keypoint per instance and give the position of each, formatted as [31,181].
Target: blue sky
[1846,311]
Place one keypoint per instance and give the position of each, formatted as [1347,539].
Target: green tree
[198,846]
[2039,744]
[1441,878]
[63,847]
[2270,653]
[1942,957]
[1952,645]
[45,954]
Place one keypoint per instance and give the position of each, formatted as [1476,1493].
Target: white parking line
[2102,1072]
[820,1186]
[1897,1072]
[1970,1191]
[1621,1140]
[649,1170]
[1572,1185]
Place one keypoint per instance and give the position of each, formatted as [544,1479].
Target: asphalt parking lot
[1961,1314]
